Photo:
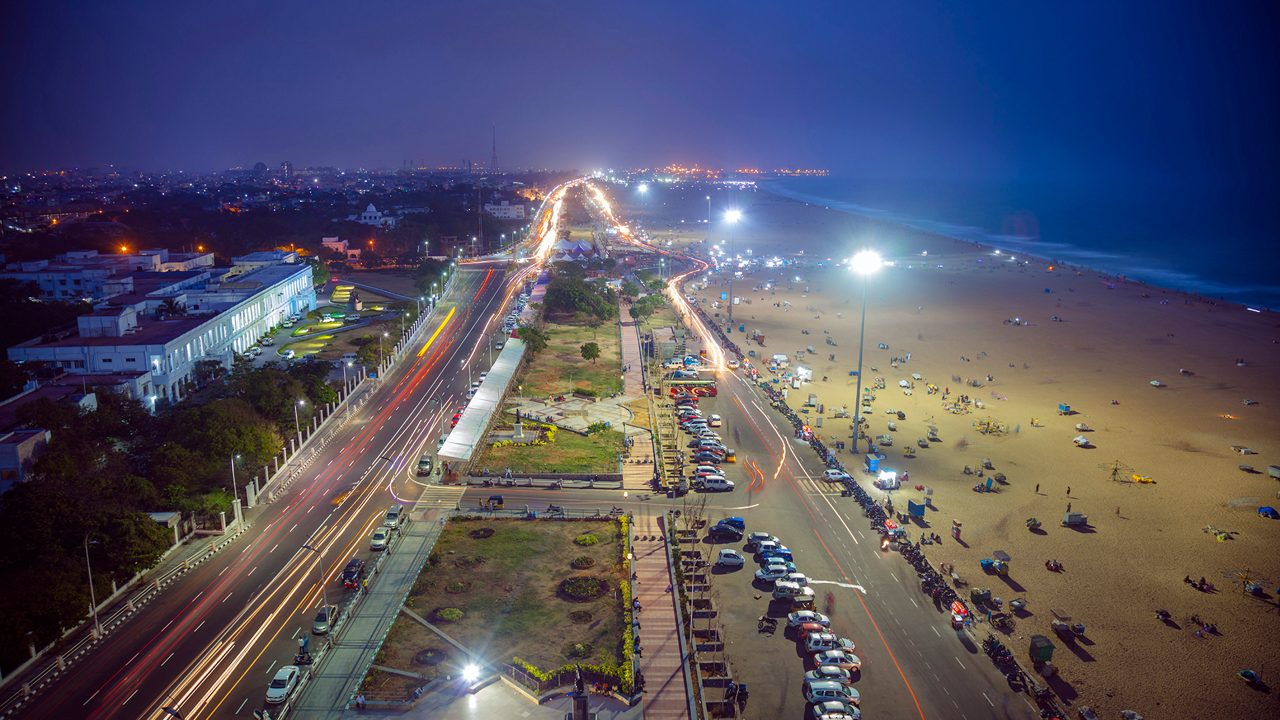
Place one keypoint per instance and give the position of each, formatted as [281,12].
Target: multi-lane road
[209,645]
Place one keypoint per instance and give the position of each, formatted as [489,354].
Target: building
[147,343]
[375,217]
[286,170]
[341,247]
[88,275]
[505,210]
[264,258]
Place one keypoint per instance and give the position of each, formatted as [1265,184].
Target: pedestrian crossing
[439,497]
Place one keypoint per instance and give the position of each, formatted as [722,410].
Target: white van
[716,483]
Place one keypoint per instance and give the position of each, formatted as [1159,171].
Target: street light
[380,359]
[865,263]
[296,425]
[235,509]
[732,216]
[324,595]
[93,599]
[643,188]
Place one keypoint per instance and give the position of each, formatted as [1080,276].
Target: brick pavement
[661,662]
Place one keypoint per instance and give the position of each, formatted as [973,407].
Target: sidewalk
[635,476]
[336,679]
[661,662]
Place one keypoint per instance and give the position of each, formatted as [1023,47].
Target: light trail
[436,334]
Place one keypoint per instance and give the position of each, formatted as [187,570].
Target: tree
[630,290]
[319,271]
[13,377]
[429,271]
[591,351]
[535,340]
[171,308]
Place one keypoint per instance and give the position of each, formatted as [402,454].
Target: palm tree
[171,308]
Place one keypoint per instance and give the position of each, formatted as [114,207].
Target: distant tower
[286,170]
[493,159]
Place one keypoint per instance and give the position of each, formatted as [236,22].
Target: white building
[375,217]
[505,210]
[150,351]
[88,275]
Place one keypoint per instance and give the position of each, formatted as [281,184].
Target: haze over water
[1215,243]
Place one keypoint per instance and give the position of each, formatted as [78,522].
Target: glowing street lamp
[731,217]
[865,263]
[643,188]
[297,425]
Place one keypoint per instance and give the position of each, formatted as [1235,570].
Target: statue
[579,695]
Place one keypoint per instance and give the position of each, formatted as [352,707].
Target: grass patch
[570,453]
[560,369]
[514,605]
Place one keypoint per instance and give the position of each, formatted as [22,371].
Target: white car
[380,538]
[835,476]
[758,537]
[800,617]
[734,364]
[715,421]
[829,672]
[818,642]
[825,691]
[839,658]
[772,573]
[282,684]
[836,710]
[730,558]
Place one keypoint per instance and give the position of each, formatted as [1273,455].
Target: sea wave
[1113,262]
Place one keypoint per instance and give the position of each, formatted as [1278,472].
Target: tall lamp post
[380,358]
[865,263]
[297,425]
[732,216]
[93,598]
[235,493]
[324,595]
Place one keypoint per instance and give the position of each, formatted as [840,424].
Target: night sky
[1113,93]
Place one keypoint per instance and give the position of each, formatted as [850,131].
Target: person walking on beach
[1037,488]
[1068,491]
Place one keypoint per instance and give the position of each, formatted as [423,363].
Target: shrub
[597,427]
[582,562]
[581,617]
[457,587]
[448,614]
[578,650]
[582,588]
[481,533]
[586,540]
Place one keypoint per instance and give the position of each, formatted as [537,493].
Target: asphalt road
[209,645]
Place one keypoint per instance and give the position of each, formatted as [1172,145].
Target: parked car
[771,574]
[289,354]
[381,536]
[817,642]
[835,710]
[730,558]
[758,537]
[835,476]
[353,573]
[839,658]
[725,533]
[282,684]
[830,673]
[779,563]
[825,690]
[780,552]
[733,521]
[798,618]
[715,421]
[708,456]
[783,590]
[715,483]
[764,546]
[704,470]
[325,619]
[799,578]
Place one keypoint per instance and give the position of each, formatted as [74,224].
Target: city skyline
[993,93]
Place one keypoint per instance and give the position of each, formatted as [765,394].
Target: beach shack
[887,479]
[1041,649]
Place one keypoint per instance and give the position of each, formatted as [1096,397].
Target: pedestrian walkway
[638,473]
[336,678]
[661,660]
[439,497]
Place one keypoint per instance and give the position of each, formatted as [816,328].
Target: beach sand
[951,310]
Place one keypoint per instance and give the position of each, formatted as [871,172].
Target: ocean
[1218,244]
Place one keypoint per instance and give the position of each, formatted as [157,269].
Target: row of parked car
[828,687]
[513,318]
[707,446]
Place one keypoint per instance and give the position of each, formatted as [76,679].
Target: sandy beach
[1032,334]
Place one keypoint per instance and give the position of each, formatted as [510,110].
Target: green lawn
[560,368]
[572,453]
[507,587]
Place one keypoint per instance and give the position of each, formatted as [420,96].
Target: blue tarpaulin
[915,510]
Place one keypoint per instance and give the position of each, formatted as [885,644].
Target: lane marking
[962,667]
[984,697]
[126,700]
[242,704]
[91,697]
[202,622]
[167,659]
